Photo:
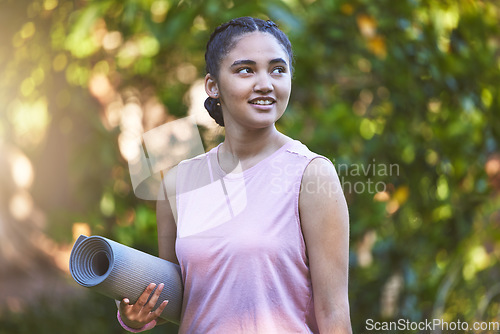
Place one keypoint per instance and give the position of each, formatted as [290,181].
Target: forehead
[256,46]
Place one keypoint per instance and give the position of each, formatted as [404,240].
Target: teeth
[263,102]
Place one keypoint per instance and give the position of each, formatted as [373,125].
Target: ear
[211,87]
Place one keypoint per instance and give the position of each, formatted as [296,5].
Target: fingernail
[161,286]
[126,300]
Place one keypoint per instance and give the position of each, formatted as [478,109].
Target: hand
[139,314]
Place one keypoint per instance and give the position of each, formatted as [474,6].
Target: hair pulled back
[223,40]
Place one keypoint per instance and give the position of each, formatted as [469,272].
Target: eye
[279,70]
[244,70]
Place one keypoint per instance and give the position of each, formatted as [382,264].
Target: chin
[253,119]
[263,122]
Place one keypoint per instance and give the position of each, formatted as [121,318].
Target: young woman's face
[254,82]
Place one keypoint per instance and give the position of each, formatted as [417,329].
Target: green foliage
[411,85]
[88,314]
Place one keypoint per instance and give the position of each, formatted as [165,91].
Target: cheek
[233,96]
[285,89]
[232,90]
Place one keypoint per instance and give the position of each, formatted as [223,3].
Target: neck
[246,148]
[247,144]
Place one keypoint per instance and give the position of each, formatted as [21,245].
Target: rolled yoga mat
[119,271]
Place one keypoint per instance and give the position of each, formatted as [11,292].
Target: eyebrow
[278,60]
[251,62]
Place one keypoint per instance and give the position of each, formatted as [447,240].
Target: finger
[159,310]
[123,305]
[143,298]
[154,298]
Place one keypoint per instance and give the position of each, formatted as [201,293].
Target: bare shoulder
[166,203]
[169,181]
[320,178]
[321,197]
[320,166]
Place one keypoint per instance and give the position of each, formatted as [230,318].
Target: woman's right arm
[166,217]
[141,313]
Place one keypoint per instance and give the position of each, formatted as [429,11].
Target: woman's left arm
[325,224]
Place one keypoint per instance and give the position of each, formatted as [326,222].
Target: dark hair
[223,40]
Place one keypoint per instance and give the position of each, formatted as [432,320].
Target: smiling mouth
[262,102]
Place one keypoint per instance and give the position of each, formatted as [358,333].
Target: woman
[259,224]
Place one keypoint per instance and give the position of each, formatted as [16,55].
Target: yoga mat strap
[119,271]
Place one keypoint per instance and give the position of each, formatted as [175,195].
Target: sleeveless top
[240,245]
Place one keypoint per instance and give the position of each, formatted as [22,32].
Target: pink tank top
[240,246]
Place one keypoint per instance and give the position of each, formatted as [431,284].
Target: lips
[262,101]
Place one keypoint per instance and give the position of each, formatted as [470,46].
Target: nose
[263,83]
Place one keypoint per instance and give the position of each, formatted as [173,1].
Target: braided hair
[222,41]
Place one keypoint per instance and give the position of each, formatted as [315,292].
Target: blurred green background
[403,96]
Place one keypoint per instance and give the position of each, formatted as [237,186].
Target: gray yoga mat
[119,271]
